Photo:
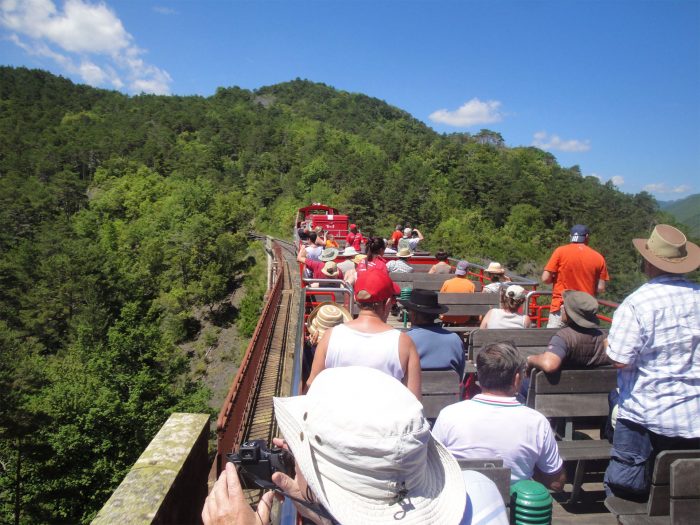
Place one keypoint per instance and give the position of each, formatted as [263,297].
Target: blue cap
[462,267]
[579,232]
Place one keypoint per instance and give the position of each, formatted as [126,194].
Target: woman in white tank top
[368,340]
[507,316]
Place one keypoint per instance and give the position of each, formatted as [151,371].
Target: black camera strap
[314,507]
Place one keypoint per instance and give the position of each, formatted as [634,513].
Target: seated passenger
[400,264]
[330,241]
[442,266]
[316,266]
[581,344]
[369,340]
[351,275]
[375,255]
[494,425]
[363,454]
[507,316]
[390,247]
[437,348]
[498,277]
[458,284]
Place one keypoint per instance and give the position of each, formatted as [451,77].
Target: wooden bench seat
[570,394]
[675,486]
[439,388]
[492,469]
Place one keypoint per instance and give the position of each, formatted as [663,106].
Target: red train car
[324,216]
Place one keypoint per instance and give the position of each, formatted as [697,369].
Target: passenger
[351,276]
[316,267]
[369,340]
[363,454]
[375,255]
[347,265]
[458,284]
[497,275]
[655,342]
[330,241]
[390,247]
[396,236]
[494,425]
[314,246]
[574,267]
[507,316]
[442,266]
[581,343]
[437,348]
[321,318]
[400,264]
[411,238]
[354,238]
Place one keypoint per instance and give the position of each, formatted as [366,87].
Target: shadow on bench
[439,388]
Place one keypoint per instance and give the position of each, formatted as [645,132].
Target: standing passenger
[574,267]
[655,342]
[354,238]
[369,340]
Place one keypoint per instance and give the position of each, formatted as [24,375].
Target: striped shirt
[656,333]
[489,426]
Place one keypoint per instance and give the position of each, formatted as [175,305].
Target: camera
[255,461]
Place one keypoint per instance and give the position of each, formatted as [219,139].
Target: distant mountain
[686,211]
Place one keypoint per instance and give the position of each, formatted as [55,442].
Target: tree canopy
[121,215]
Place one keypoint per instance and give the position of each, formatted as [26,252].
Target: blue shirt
[438,349]
[656,333]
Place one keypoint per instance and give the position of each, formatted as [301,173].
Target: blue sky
[611,86]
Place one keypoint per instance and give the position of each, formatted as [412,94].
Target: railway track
[267,367]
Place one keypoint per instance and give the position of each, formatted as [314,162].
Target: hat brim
[330,257]
[347,316]
[439,309]
[689,263]
[440,498]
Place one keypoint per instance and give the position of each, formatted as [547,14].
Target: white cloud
[86,39]
[618,180]
[662,187]
[543,141]
[470,114]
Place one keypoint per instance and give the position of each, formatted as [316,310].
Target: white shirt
[499,427]
[348,347]
[656,332]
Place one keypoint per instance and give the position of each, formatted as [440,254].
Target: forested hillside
[120,216]
[686,211]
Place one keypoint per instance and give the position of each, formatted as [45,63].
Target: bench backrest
[685,491]
[572,393]
[439,388]
[528,340]
[659,503]
[468,303]
[492,469]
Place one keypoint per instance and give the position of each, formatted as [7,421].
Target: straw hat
[358,258]
[330,269]
[495,267]
[404,252]
[581,308]
[668,249]
[325,316]
[365,449]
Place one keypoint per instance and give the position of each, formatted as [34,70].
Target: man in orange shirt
[574,266]
[458,284]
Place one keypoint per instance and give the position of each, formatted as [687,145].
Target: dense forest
[121,216]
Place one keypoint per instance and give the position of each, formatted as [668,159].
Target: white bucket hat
[361,441]
[349,250]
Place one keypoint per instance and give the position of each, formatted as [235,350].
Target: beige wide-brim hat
[362,442]
[668,249]
[495,267]
[330,269]
[404,253]
[325,316]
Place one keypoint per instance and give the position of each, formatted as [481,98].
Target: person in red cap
[354,238]
[368,340]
